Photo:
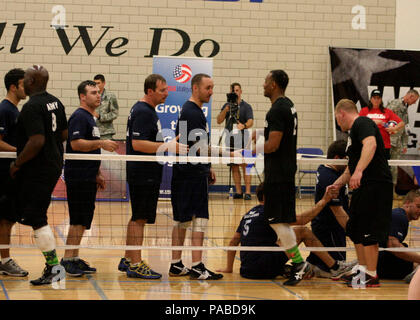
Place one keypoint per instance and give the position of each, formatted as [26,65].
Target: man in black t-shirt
[395,264]
[82,177]
[280,135]
[237,136]
[190,182]
[41,130]
[13,81]
[144,138]
[369,176]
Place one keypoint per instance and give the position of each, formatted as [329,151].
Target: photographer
[239,117]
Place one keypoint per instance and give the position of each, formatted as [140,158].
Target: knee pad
[285,234]
[44,238]
[182,225]
[199,224]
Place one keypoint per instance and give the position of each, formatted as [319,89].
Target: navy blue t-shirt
[326,220]
[399,224]
[255,232]
[8,119]
[143,124]
[192,125]
[82,125]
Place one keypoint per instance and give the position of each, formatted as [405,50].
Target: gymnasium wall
[247,40]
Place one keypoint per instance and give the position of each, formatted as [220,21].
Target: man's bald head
[36,79]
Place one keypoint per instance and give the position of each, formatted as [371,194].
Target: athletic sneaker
[287,271]
[247,196]
[343,270]
[142,270]
[47,276]
[178,270]
[72,268]
[238,196]
[300,271]
[11,268]
[85,267]
[408,277]
[349,276]
[319,273]
[123,265]
[200,272]
[364,281]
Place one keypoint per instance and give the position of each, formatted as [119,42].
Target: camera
[232,97]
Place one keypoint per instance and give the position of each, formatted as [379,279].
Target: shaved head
[36,79]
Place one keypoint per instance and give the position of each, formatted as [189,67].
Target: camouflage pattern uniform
[108,112]
[399,140]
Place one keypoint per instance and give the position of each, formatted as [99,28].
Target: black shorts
[263,265]
[392,267]
[370,214]
[280,202]
[329,238]
[144,199]
[81,197]
[190,197]
[8,194]
[34,198]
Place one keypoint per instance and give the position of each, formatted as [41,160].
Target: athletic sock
[371,273]
[176,261]
[5,260]
[195,264]
[51,257]
[295,255]
[335,266]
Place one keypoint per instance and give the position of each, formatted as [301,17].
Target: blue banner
[178,72]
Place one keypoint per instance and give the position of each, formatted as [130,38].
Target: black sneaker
[200,272]
[72,268]
[123,265]
[178,270]
[238,196]
[85,267]
[47,276]
[299,271]
[247,196]
[287,271]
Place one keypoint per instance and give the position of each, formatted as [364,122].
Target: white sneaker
[319,273]
[343,270]
[11,268]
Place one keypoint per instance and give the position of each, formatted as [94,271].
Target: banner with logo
[356,72]
[178,72]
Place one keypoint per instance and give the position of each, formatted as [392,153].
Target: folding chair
[306,153]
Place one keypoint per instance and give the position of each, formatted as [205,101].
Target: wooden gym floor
[108,283]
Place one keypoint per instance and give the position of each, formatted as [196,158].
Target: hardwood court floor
[108,230]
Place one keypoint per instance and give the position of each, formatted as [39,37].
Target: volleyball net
[113,205]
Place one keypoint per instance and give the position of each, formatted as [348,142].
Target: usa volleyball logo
[182,73]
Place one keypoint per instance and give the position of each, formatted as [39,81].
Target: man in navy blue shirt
[13,81]
[237,136]
[82,177]
[190,182]
[329,225]
[144,138]
[394,264]
[255,231]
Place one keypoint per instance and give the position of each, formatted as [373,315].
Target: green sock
[294,254]
[51,257]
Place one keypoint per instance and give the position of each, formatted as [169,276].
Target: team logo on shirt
[182,73]
[95,132]
[348,143]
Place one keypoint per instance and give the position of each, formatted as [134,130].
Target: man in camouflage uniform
[107,111]
[399,140]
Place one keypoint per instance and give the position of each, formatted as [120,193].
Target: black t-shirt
[280,166]
[43,114]
[326,220]
[378,170]
[82,125]
[193,120]
[143,124]
[8,119]
[255,232]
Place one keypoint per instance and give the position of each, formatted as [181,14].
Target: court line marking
[98,289]
[288,290]
[4,290]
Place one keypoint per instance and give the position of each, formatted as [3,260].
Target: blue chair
[307,153]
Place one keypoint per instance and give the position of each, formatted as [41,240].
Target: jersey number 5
[246,227]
